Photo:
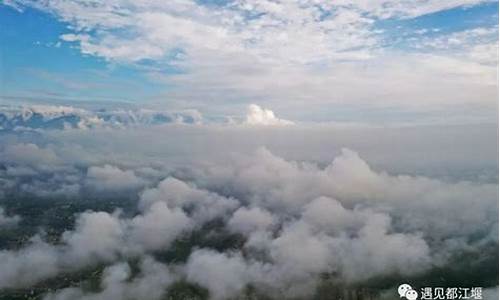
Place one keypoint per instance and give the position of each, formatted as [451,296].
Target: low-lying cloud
[298,221]
[247,209]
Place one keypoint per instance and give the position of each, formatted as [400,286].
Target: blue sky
[214,58]
[35,64]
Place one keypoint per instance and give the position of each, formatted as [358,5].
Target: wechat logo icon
[406,291]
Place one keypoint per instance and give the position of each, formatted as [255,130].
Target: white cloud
[18,266]
[13,4]
[29,154]
[116,283]
[204,205]
[246,221]
[300,215]
[110,178]
[409,9]
[158,227]
[301,57]
[151,153]
[478,45]
[261,116]
[97,237]
[295,219]
[225,275]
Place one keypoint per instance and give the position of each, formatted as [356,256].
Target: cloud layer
[297,222]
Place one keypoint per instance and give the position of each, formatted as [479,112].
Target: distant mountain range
[20,118]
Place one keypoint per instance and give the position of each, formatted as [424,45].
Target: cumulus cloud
[204,205]
[168,211]
[367,232]
[278,185]
[29,265]
[111,179]
[262,208]
[97,237]
[159,226]
[261,116]
[301,251]
[225,275]
[116,283]
[29,154]
[149,155]
[246,221]
[288,224]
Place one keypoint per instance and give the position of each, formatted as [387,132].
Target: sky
[381,61]
[323,144]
